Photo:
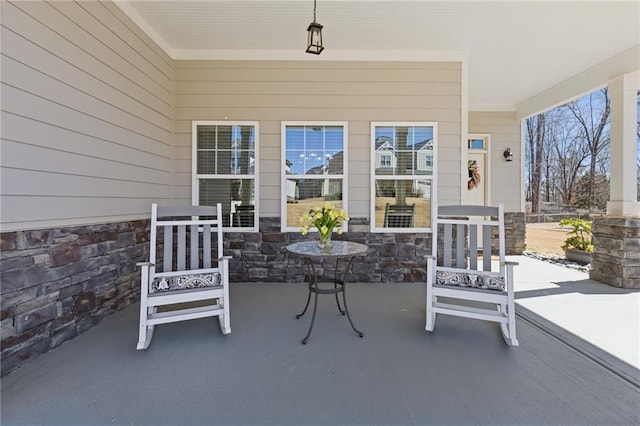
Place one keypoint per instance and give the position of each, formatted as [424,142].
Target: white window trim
[194,167]
[433,177]
[283,180]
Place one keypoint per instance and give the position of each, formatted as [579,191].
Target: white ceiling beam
[592,79]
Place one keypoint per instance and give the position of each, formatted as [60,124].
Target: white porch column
[623,192]
[616,236]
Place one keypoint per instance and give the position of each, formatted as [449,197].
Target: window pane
[304,194]
[232,193]
[206,137]
[223,162]
[314,150]
[404,150]
[226,149]
[403,203]
[206,162]
[476,143]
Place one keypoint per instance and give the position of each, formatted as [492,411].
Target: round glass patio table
[341,250]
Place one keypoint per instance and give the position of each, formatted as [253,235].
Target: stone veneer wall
[263,256]
[515,228]
[57,283]
[616,257]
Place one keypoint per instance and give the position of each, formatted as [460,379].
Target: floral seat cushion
[466,279]
[185,282]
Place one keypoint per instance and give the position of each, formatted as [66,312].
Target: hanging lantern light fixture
[314,36]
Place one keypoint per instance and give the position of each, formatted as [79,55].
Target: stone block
[63,254]
[258,273]
[84,324]
[38,238]
[84,302]
[8,241]
[632,248]
[62,334]
[274,237]
[22,278]
[7,328]
[9,300]
[126,239]
[96,237]
[35,317]
[406,251]
[388,250]
[55,286]
[16,263]
[598,275]
[70,291]
[16,359]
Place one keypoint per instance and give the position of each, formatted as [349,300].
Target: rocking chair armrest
[147,264]
[511,263]
[225,258]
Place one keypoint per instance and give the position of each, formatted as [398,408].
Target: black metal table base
[338,287]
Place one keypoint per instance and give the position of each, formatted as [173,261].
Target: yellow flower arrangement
[325,219]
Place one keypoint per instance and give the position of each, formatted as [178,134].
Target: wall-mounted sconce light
[314,39]
[508,155]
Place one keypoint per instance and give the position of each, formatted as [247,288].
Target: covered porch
[463,373]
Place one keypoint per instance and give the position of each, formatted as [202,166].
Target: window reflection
[314,168]
[404,168]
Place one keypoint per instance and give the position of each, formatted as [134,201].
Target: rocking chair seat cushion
[465,279]
[184,282]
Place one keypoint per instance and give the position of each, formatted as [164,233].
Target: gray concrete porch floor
[601,321]
[398,374]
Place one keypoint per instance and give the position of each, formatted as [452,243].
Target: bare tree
[592,117]
[567,154]
[535,138]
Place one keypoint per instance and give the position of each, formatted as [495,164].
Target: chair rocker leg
[431,316]
[509,329]
[146,334]
[508,333]
[225,325]
[224,320]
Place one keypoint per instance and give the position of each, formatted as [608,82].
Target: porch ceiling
[515,50]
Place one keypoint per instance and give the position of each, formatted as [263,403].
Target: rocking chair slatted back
[182,269]
[464,270]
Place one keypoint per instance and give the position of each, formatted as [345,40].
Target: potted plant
[577,247]
[324,219]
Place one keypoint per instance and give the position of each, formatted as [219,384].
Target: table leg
[313,318]
[344,301]
[311,273]
[314,287]
[335,284]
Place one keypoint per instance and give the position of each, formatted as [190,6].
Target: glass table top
[339,249]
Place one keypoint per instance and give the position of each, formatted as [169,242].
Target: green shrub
[579,237]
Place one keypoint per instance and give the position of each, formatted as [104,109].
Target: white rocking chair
[457,275]
[184,235]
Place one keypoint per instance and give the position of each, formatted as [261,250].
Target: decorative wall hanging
[474,174]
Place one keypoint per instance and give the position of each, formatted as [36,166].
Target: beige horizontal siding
[506,183]
[341,88]
[357,65]
[69,21]
[356,92]
[87,116]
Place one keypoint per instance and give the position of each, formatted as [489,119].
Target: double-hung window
[403,176]
[314,168]
[224,170]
